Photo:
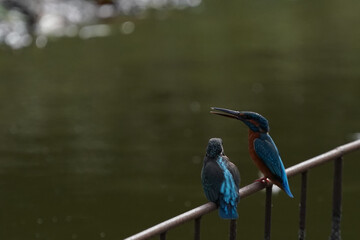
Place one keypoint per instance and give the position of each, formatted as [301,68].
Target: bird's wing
[266,149]
[212,178]
[234,172]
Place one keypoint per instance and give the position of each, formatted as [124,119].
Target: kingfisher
[220,179]
[262,148]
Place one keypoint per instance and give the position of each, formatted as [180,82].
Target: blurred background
[105,111]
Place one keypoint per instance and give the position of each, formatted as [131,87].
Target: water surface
[102,138]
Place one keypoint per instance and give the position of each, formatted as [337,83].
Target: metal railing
[195,214]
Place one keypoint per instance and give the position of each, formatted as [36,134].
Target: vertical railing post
[268,205]
[302,215]
[163,236]
[232,234]
[337,198]
[197,228]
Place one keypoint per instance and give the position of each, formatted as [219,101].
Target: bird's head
[253,120]
[214,148]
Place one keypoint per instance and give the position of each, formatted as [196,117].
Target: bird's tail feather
[286,188]
[228,211]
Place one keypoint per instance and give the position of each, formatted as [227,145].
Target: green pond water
[102,138]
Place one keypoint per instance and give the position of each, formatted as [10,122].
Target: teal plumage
[220,179]
[266,150]
[261,146]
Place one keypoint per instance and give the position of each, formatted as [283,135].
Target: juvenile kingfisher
[261,146]
[220,179]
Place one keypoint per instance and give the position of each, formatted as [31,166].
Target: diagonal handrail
[198,212]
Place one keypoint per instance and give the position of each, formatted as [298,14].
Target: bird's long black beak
[225,112]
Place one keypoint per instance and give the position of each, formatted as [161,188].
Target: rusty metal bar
[197,228]
[191,215]
[232,230]
[302,215]
[268,206]
[325,157]
[245,191]
[175,221]
[337,198]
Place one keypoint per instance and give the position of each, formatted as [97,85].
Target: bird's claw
[263,180]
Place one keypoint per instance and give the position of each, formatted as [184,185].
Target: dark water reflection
[105,137]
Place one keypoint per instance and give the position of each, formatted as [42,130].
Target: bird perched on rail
[220,179]
[261,146]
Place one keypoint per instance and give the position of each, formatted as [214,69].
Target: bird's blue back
[266,149]
[221,180]
[229,192]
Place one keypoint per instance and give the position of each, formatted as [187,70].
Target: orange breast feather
[259,163]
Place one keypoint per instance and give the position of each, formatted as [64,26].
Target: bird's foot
[263,180]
